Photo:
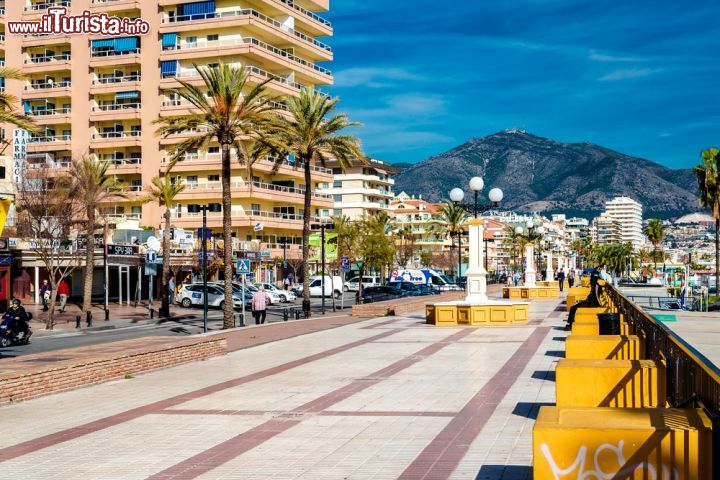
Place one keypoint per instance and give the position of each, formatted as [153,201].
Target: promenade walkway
[374,399]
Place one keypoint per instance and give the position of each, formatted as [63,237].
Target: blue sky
[641,77]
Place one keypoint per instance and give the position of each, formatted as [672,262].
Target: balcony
[114,84]
[124,166]
[267,25]
[194,162]
[242,218]
[53,142]
[115,111]
[100,58]
[46,63]
[104,6]
[253,46]
[115,139]
[257,75]
[35,10]
[47,116]
[48,89]
[37,161]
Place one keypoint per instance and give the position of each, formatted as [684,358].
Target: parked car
[428,290]
[285,295]
[237,287]
[190,295]
[353,284]
[409,289]
[333,286]
[381,293]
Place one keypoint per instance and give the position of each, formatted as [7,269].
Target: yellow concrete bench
[610,383]
[594,443]
[584,327]
[477,315]
[549,283]
[531,293]
[512,292]
[575,295]
[585,282]
[604,347]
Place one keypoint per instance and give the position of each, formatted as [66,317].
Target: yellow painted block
[604,347]
[521,313]
[463,315]
[590,311]
[479,315]
[610,383]
[446,315]
[592,327]
[579,291]
[501,314]
[585,282]
[593,443]
[506,292]
[430,314]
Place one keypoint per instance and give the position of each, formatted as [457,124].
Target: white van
[333,286]
[422,277]
[352,285]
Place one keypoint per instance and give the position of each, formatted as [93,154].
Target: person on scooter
[17,314]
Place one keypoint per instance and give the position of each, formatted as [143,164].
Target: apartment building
[361,190]
[628,215]
[99,95]
[424,221]
[607,229]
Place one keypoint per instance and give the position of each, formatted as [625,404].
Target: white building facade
[628,215]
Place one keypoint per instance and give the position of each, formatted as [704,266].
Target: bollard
[152,313]
[297,314]
[88,320]
[239,320]
[77,321]
[286,314]
[107,314]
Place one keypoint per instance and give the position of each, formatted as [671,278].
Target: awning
[126,44]
[26,105]
[103,43]
[127,95]
[196,8]
[169,39]
[168,68]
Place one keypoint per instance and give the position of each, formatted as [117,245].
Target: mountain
[541,175]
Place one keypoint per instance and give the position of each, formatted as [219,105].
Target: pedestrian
[64,292]
[171,290]
[509,280]
[259,305]
[571,278]
[286,283]
[561,278]
[45,292]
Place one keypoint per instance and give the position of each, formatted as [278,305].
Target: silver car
[192,295]
[285,295]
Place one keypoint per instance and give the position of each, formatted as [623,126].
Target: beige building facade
[99,96]
[361,190]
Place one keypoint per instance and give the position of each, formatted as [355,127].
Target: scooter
[9,337]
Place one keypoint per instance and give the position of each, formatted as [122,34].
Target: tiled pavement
[382,398]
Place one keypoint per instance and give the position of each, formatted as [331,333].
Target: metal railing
[48,85]
[45,5]
[306,12]
[112,80]
[108,107]
[48,112]
[64,57]
[692,379]
[110,135]
[113,53]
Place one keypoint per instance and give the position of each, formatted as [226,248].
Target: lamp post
[476,272]
[203,238]
[322,227]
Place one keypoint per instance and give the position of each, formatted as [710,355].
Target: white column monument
[476,273]
[549,267]
[529,265]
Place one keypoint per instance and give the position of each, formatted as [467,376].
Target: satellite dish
[153,243]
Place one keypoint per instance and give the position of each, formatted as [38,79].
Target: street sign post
[243,267]
[344,268]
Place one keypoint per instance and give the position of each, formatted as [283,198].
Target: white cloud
[373,77]
[628,74]
[602,57]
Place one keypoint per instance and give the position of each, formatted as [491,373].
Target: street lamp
[476,185]
[322,227]
[204,209]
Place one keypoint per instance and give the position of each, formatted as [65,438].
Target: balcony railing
[109,107]
[45,5]
[52,138]
[65,57]
[114,80]
[191,72]
[117,162]
[269,160]
[255,42]
[117,135]
[252,13]
[48,85]
[49,112]
[113,53]
[306,12]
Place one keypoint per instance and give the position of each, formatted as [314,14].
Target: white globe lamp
[496,195]
[477,184]
[457,195]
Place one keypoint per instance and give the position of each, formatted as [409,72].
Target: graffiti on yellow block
[606,466]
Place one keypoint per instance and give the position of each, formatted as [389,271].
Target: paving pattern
[376,399]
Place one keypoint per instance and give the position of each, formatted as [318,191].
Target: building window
[337,171]
[213,178]
[337,212]
[213,38]
[337,198]
[214,150]
[255,208]
[337,184]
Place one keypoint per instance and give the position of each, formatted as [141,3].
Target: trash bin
[609,323]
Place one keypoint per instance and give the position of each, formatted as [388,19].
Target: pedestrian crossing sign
[243,267]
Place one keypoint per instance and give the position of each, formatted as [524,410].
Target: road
[170,328]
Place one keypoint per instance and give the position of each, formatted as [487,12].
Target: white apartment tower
[628,215]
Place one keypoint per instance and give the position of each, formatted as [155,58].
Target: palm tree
[7,104]
[229,116]
[312,136]
[164,190]
[708,177]
[450,223]
[89,186]
[655,232]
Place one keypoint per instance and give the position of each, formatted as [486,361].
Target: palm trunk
[655,257]
[717,256]
[165,308]
[306,235]
[50,322]
[228,319]
[89,259]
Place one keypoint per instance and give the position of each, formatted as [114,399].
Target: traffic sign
[151,269]
[243,267]
[258,227]
[345,265]
[151,257]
